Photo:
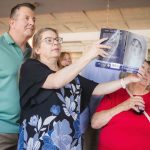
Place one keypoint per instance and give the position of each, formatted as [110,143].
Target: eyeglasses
[50,40]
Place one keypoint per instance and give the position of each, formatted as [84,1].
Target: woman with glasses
[52,99]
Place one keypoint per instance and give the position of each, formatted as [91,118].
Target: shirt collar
[27,53]
[8,38]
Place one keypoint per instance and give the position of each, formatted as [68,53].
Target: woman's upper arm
[33,72]
[50,82]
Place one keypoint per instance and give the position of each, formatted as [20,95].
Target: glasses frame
[50,40]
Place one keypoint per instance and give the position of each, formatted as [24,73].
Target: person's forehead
[66,55]
[49,34]
[25,11]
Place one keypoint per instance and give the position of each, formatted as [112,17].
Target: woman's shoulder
[33,65]
[31,61]
[120,92]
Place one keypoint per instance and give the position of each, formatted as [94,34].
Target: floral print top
[50,118]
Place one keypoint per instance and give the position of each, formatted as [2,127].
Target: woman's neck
[51,63]
[137,89]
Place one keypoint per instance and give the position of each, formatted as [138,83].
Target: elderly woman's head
[46,43]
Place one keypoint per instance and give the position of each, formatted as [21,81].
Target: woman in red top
[122,125]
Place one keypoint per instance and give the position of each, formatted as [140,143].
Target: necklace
[132,89]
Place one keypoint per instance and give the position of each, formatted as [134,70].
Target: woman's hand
[135,77]
[133,103]
[97,49]
[141,72]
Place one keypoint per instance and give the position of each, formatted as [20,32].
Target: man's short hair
[18,6]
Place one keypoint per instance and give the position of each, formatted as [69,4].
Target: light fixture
[108,13]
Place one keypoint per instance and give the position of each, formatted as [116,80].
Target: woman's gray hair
[123,74]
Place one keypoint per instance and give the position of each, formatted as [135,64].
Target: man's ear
[11,22]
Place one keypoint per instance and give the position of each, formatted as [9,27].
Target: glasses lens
[49,40]
[59,40]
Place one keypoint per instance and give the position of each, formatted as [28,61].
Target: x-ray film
[127,51]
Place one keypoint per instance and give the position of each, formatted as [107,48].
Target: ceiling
[80,21]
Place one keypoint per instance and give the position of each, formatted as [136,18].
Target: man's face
[23,22]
